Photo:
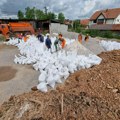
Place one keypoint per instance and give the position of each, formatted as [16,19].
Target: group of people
[60,41]
[24,36]
[80,38]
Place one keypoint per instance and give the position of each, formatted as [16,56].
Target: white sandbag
[54,67]
[42,87]
[42,76]
[110,45]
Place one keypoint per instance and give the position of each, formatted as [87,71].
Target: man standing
[48,42]
[86,38]
[56,43]
[80,38]
[62,40]
[40,37]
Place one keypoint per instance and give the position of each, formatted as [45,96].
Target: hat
[47,34]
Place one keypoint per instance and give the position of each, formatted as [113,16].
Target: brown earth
[3,46]
[7,73]
[89,94]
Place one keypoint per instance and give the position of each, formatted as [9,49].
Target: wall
[101,17]
[110,21]
[91,23]
[58,28]
[61,28]
[117,20]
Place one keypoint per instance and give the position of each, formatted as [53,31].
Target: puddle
[7,73]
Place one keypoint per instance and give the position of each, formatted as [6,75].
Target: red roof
[108,13]
[105,27]
[84,22]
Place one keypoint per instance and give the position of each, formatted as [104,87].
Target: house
[84,22]
[108,19]
[68,22]
[108,16]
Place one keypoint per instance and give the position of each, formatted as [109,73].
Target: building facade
[108,19]
[108,16]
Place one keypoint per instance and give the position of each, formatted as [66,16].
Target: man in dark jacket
[48,42]
[40,38]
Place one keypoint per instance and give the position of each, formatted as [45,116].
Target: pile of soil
[89,94]
[7,73]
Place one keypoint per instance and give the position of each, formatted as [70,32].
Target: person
[80,38]
[86,38]
[39,30]
[56,43]
[40,37]
[48,42]
[62,40]
[26,37]
[20,35]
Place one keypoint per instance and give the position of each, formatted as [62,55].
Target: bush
[2,38]
[98,33]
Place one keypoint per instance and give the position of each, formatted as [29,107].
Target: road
[23,79]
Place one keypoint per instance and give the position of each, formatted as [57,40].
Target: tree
[76,26]
[20,15]
[51,15]
[30,13]
[40,15]
[33,13]
[61,17]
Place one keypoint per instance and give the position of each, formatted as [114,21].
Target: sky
[72,9]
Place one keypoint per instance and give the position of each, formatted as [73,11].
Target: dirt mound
[79,48]
[7,73]
[90,94]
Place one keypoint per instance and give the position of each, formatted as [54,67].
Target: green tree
[20,15]
[30,13]
[40,15]
[61,17]
[76,26]
[51,15]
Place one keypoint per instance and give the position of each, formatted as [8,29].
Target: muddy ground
[89,94]
[7,73]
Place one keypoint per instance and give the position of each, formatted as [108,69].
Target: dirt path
[14,79]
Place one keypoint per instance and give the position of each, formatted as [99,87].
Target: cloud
[73,9]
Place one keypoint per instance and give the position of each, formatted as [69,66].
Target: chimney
[106,10]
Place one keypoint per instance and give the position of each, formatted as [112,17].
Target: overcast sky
[72,9]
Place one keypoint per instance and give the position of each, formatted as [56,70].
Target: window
[100,21]
[94,21]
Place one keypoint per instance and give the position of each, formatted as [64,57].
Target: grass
[103,34]
[2,38]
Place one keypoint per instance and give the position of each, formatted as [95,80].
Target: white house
[108,16]
[108,19]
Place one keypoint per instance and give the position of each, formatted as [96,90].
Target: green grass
[103,34]
[2,38]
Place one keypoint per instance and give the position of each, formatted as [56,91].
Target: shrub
[2,38]
[98,33]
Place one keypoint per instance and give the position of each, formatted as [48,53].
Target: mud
[7,73]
